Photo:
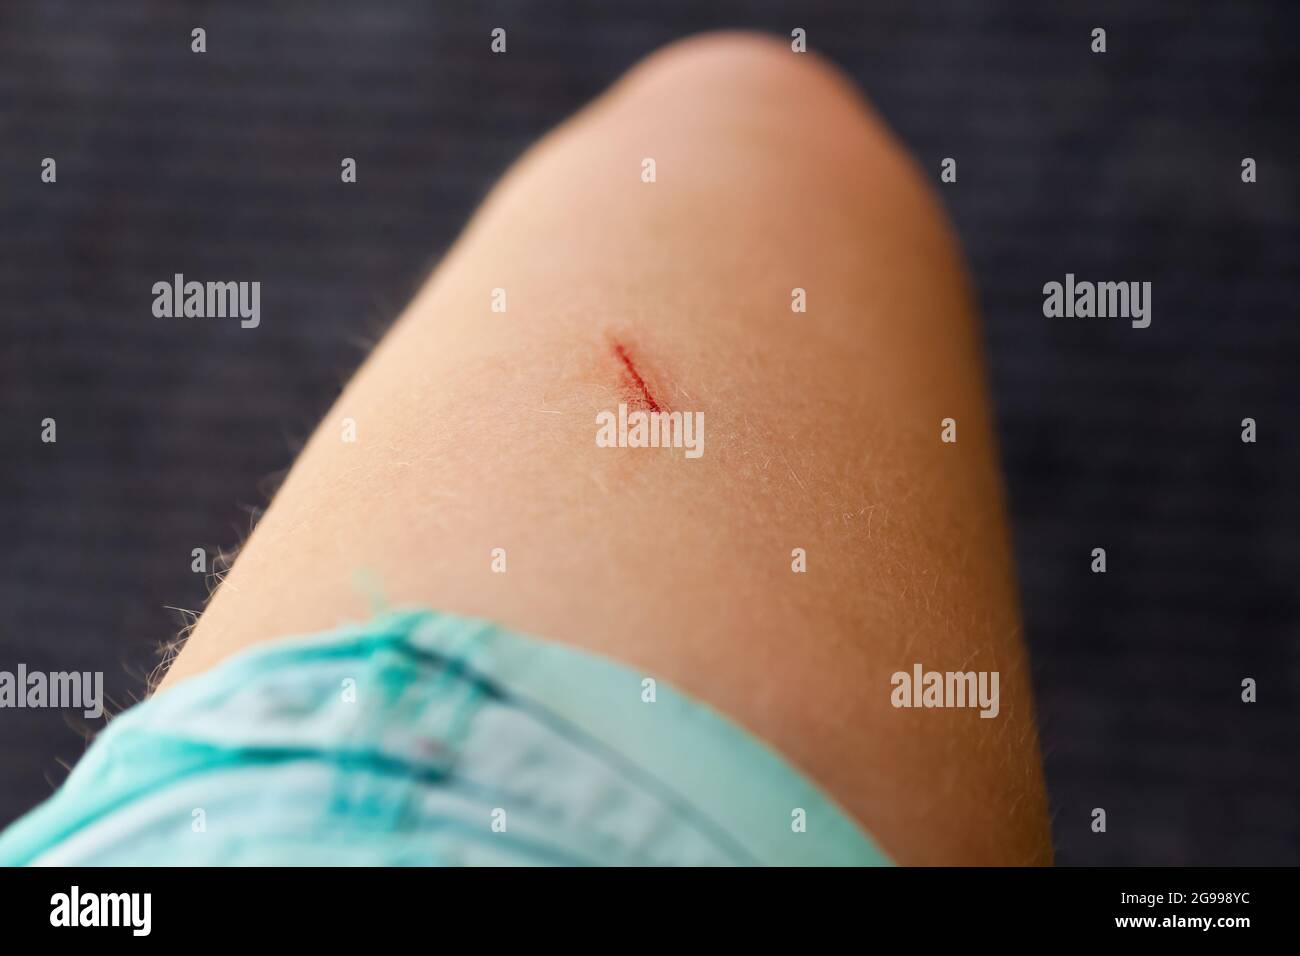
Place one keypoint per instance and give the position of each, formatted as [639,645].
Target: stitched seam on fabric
[580,738]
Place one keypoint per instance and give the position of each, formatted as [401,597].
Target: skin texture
[476,430]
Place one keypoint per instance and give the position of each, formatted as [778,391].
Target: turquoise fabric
[428,739]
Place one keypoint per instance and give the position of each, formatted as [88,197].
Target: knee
[729,62]
[746,106]
[748,84]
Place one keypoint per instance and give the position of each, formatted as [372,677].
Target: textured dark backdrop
[1124,166]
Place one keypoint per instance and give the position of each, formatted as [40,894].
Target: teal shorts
[428,739]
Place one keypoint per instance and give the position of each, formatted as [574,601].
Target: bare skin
[476,430]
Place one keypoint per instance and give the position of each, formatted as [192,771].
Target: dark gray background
[1124,166]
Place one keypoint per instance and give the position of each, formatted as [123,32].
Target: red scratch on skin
[636,384]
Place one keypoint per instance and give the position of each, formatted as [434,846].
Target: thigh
[584,283]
